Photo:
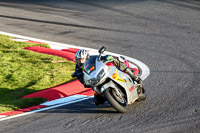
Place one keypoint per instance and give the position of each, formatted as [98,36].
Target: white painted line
[63,100]
[19,40]
[43,109]
[1,116]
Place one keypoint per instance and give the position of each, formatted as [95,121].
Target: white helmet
[81,54]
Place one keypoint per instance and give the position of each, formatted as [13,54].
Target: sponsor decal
[131,89]
[116,77]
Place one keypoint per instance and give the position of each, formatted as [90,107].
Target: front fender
[108,85]
[130,97]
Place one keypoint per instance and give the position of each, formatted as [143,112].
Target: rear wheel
[119,102]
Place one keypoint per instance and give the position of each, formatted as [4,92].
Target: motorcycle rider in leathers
[82,55]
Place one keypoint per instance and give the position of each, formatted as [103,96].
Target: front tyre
[119,103]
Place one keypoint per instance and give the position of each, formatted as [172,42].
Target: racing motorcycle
[115,86]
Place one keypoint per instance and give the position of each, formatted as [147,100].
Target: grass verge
[23,72]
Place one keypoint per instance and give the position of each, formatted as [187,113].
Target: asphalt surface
[164,34]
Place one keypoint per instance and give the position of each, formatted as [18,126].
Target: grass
[23,72]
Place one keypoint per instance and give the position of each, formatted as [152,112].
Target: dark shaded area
[64,24]
[86,106]
[79,26]
[190,4]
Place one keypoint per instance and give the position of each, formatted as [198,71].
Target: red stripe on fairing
[130,89]
[23,110]
[109,64]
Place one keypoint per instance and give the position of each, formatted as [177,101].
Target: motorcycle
[115,86]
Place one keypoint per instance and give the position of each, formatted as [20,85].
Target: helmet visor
[82,60]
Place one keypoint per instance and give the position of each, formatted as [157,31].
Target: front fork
[118,93]
[96,90]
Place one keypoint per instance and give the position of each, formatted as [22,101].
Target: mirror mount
[101,50]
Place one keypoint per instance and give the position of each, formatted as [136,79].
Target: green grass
[23,72]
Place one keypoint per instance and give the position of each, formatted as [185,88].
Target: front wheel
[118,102]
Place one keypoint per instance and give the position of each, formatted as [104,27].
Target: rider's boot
[98,99]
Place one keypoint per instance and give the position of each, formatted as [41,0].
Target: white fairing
[102,72]
[99,66]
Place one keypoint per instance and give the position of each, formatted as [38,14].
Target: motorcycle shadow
[86,106]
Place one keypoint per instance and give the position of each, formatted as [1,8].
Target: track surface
[164,34]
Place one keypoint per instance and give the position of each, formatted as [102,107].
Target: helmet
[81,54]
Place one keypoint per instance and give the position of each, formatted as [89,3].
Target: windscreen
[89,65]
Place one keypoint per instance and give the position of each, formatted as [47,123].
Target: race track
[164,34]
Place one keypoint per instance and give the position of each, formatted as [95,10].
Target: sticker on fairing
[116,77]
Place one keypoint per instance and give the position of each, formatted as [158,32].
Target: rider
[82,55]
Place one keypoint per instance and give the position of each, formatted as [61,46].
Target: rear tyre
[119,103]
[141,97]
